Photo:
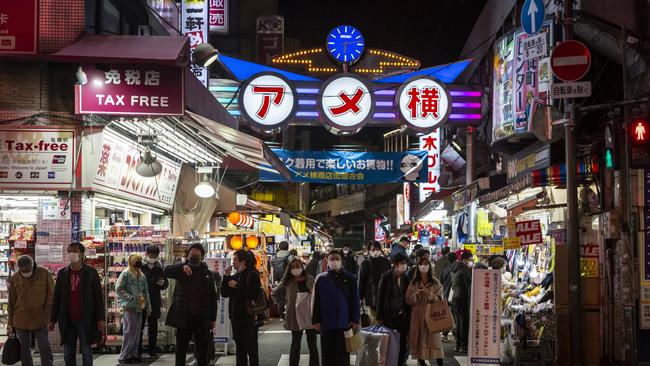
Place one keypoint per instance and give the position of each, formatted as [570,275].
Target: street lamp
[205,55]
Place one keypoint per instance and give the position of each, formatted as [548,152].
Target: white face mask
[296,272]
[346,251]
[424,268]
[151,260]
[375,253]
[334,265]
[27,274]
[74,257]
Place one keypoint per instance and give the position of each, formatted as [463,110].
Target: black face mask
[137,264]
[194,261]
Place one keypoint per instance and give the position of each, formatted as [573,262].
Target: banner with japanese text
[222,329]
[195,25]
[345,167]
[18,26]
[219,16]
[485,318]
[431,144]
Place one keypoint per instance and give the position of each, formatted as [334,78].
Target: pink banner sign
[18,26]
[131,90]
[218,16]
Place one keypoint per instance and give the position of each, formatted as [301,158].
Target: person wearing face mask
[78,307]
[296,289]
[350,260]
[336,308]
[461,284]
[31,290]
[412,272]
[392,310]
[371,271]
[133,293]
[156,282]
[424,289]
[193,311]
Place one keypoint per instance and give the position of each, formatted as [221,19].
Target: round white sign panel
[423,103]
[267,100]
[346,102]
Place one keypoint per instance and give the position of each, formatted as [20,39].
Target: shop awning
[162,50]
[238,145]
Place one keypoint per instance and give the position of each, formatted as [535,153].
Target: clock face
[345,44]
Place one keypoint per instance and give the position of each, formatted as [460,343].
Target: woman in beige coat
[424,289]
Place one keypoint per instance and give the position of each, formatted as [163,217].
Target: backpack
[279,265]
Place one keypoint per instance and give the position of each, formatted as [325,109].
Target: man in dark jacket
[442,263]
[392,310]
[78,307]
[194,308]
[371,270]
[401,247]
[350,261]
[156,283]
[336,310]
[241,289]
[461,284]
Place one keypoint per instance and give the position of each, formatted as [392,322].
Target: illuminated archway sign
[423,103]
[268,101]
[346,103]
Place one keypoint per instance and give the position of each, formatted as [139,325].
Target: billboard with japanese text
[346,167]
[219,16]
[195,25]
[18,26]
[431,145]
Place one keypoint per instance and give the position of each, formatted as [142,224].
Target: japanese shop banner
[529,232]
[36,157]
[485,318]
[222,325]
[345,167]
[115,173]
[131,90]
[219,16]
[195,24]
[431,144]
[18,26]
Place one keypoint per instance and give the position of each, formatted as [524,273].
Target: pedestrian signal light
[639,131]
[609,158]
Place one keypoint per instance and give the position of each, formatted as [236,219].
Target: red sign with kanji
[18,26]
[423,103]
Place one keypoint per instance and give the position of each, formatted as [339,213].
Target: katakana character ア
[152,78]
[430,98]
[132,77]
[112,77]
[270,94]
[414,100]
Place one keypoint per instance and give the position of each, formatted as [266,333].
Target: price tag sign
[589,267]
[512,225]
[511,243]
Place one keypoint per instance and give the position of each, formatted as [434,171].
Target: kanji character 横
[132,77]
[152,78]
[112,77]
[430,98]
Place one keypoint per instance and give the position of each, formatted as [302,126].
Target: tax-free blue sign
[345,167]
[532,16]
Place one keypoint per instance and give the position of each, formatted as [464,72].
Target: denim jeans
[25,338]
[75,331]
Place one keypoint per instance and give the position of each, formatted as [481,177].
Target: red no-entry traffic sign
[570,60]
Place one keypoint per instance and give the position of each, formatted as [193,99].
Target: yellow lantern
[236,242]
[234,218]
[251,242]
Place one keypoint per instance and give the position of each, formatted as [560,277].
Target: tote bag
[11,351]
[303,310]
[439,318]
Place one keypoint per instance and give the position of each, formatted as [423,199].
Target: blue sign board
[345,167]
[76,226]
[532,16]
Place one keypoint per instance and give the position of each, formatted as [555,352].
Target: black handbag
[259,305]
[11,350]
[365,318]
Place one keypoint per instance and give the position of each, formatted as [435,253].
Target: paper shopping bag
[439,318]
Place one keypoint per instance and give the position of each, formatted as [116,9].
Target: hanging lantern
[234,218]
[251,242]
[236,242]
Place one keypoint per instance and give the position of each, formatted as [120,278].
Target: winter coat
[369,276]
[30,299]
[423,344]
[92,305]
[350,263]
[391,300]
[335,300]
[279,264]
[446,281]
[290,291]
[396,248]
[153,274]
[315,266]
[129,288]
[440,266]
[461,282]
[179,311]
[248,289]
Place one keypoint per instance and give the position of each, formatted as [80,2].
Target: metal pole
[470,170]
[573,234]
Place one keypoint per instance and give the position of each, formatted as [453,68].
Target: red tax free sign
[18,26]
[529,232]
[131,90]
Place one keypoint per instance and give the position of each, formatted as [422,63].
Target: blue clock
[345,44]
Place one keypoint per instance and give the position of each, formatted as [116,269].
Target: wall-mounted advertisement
[195,24]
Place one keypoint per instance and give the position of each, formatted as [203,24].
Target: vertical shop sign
[18,26]
[485,315]
[380,233]
[407,203]
[270,37]
[76,226]
[195,27]
[222,326]
[169,12]
[219,16]
[431,144]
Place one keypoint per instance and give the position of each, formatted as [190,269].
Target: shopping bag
[353,341]
[303,310]
[439,318]
[11,350]
[374,349]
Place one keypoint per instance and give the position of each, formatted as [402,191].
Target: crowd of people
[324,294]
